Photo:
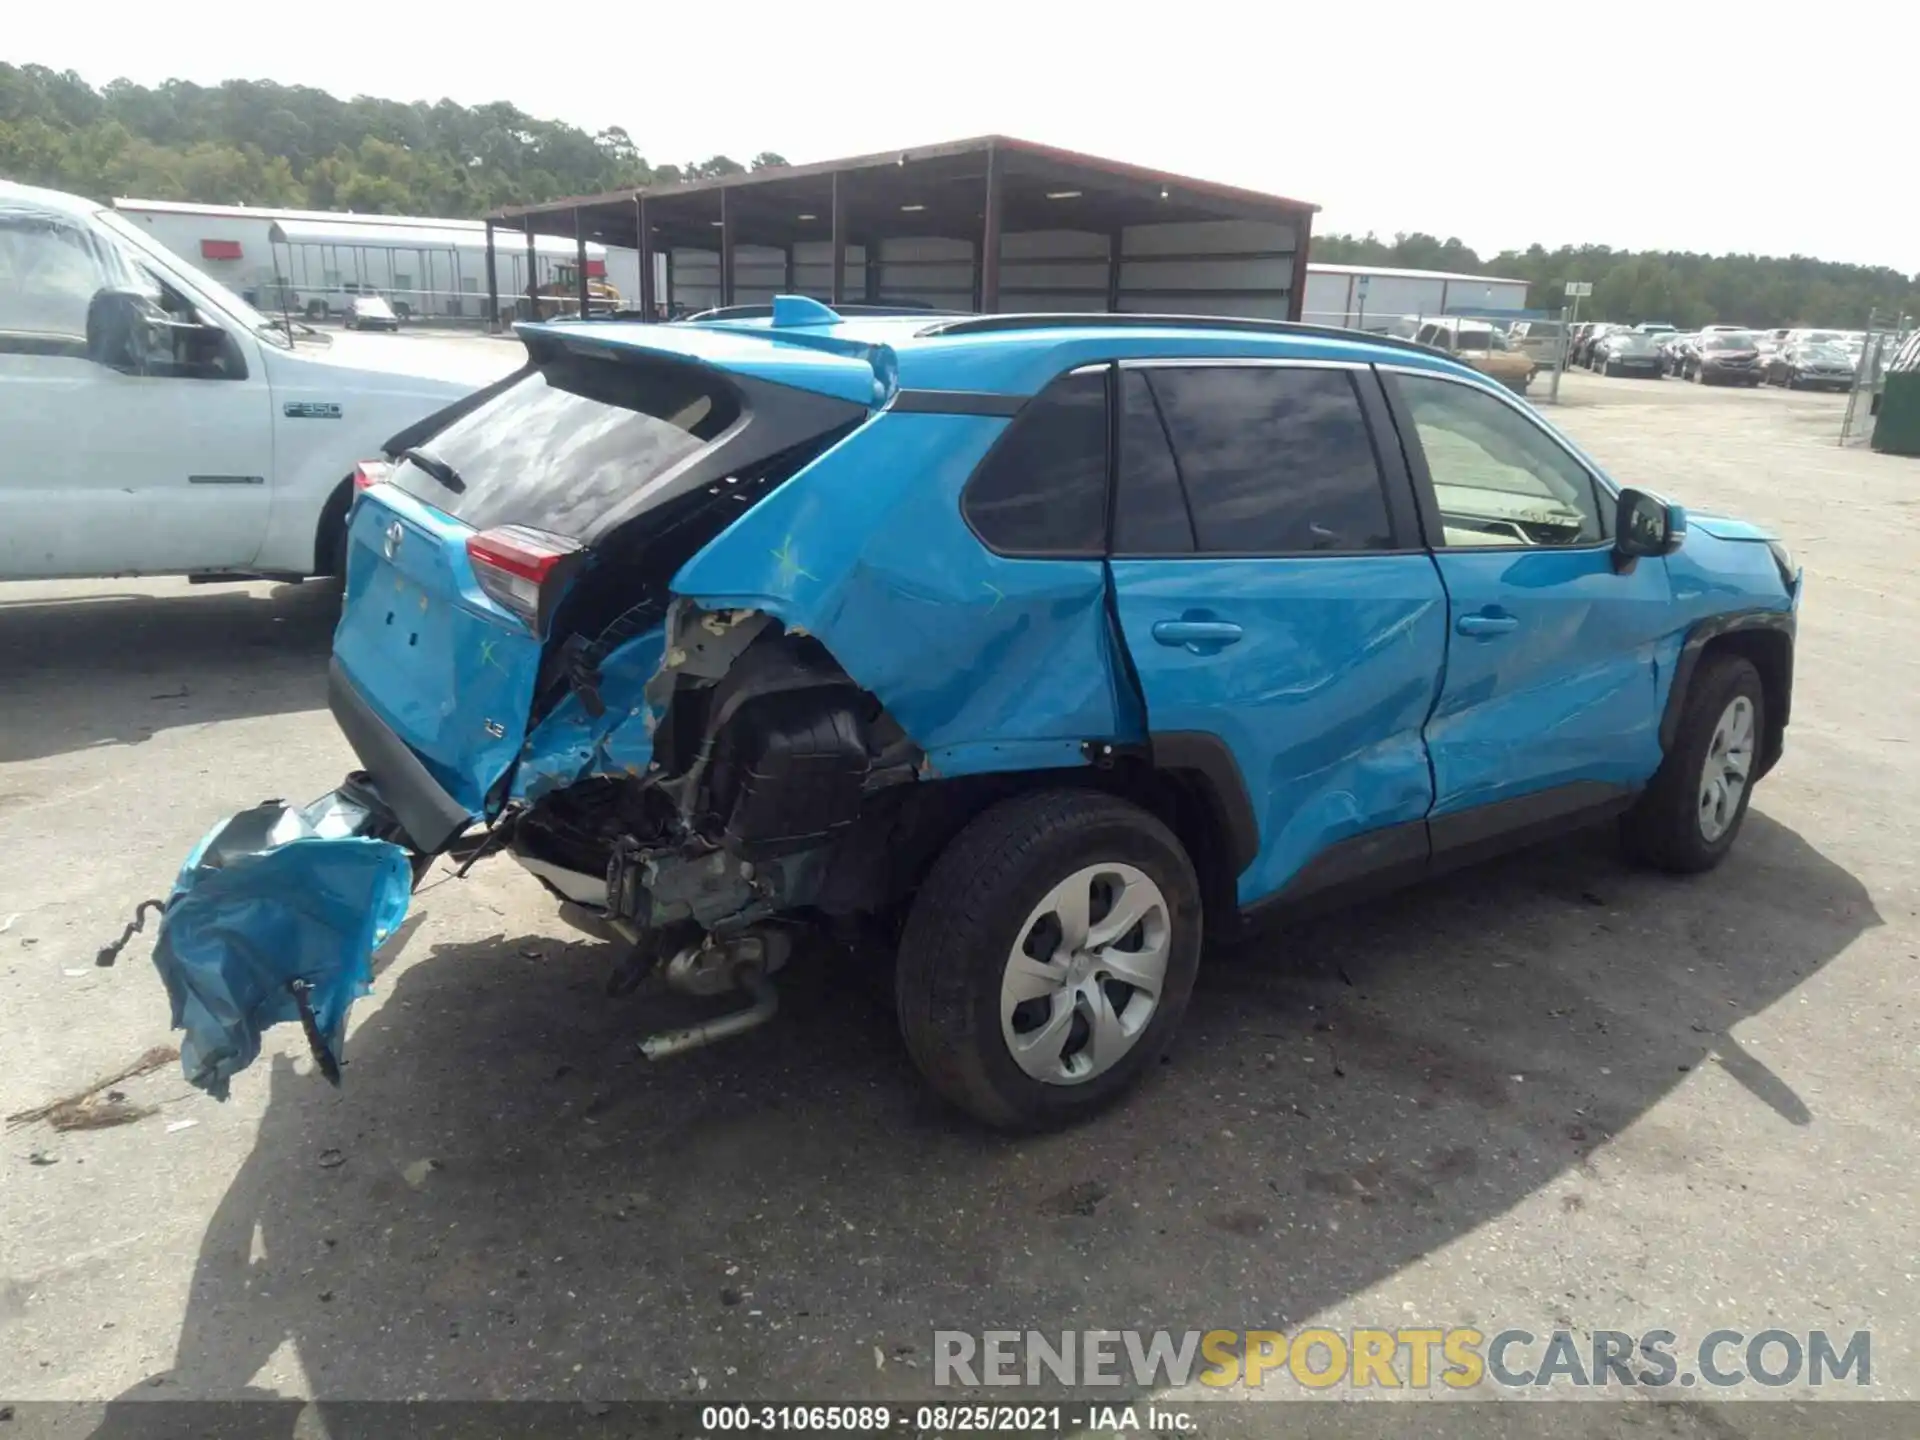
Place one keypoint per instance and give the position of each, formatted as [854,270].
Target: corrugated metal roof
[1118,170]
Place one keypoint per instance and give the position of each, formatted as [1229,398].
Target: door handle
[1483,625]
[1196,635]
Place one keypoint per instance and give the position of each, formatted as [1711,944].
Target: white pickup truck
[153,423]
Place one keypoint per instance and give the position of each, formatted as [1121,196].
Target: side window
[1275,460]
[1429,335]
[1042,489]
[1150,512]
[1498,478]
[49,273]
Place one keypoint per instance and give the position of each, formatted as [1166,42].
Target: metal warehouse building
[986,224]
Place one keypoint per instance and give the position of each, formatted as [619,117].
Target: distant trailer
[1373,297]
[313,262]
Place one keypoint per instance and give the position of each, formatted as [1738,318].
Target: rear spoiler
[780,353]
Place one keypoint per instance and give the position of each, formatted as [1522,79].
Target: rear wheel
[1691,812]
[1048,957]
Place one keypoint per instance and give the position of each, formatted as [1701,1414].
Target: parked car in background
[157,424]
[1804,365]
[1481,345]
[673,618]
[1655,327]
[1814,337]
[1725,358]
[1583,352]
[1539,340]
[371,312]
[1675,350]
[1628,352]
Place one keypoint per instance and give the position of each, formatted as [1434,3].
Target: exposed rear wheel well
[882,863]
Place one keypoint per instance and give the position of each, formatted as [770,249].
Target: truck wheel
[1048,957]
[1688,816]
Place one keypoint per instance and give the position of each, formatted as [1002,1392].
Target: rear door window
[1276,460]
[1150,511]
[567,443]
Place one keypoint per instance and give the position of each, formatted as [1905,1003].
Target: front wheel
[1048,957]
[1689,815]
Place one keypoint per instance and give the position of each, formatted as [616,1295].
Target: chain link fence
[1884,337]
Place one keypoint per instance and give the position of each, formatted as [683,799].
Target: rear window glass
[1042,490]
[570,441]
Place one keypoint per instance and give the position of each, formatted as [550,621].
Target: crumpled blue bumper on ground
[274,918]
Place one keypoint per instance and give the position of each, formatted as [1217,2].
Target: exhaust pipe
[766,1000]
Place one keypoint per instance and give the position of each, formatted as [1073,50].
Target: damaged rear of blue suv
[1037,645]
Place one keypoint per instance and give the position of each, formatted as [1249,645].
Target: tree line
[1684,289]
[253,142]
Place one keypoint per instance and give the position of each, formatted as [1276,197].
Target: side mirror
[1648,526]
[120,330]
[128,332]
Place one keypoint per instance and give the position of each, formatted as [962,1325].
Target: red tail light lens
[370,472]
[514,565]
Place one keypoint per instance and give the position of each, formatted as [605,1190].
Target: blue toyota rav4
[1034,643]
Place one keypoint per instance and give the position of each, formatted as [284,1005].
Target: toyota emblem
[395,534]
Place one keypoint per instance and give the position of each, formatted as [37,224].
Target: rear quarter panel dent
[978,657]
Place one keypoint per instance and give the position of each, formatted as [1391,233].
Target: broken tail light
[521,569]
[370,472]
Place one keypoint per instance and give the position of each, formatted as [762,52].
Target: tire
[1609,370]
[1670,827]
[966,928]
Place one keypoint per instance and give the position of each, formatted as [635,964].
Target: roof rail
[1111,320]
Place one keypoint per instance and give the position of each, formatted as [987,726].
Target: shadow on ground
[503,1201]
[114,669]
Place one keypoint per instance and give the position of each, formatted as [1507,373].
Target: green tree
[260,143]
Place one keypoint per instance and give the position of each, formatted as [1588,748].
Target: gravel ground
[1550,1092]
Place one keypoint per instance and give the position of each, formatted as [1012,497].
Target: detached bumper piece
[274,918]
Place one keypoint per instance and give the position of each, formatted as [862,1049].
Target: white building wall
[813,271]
[1334,297]
[927,270]
[182,234]
[1165,269]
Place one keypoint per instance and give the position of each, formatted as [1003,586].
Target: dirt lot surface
[1552,1092]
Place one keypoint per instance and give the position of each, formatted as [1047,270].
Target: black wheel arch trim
[1701,635]
[1208,758]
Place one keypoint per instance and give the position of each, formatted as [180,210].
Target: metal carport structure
[984,224]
